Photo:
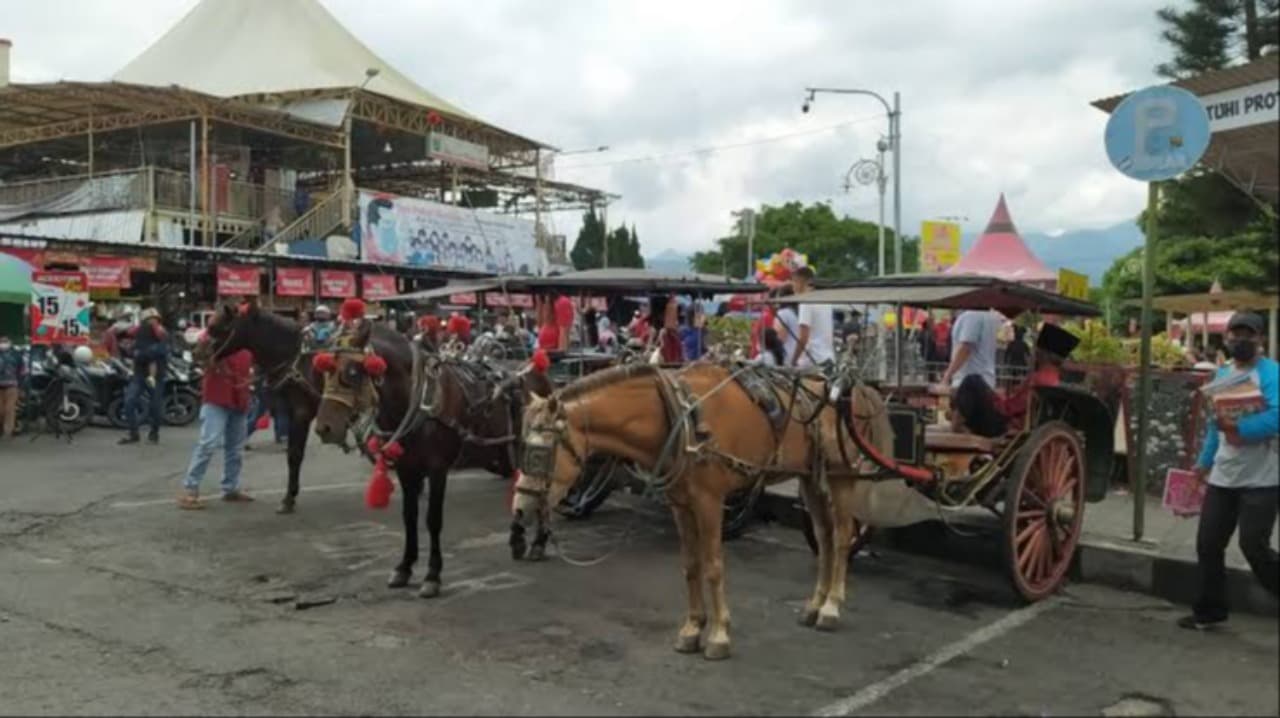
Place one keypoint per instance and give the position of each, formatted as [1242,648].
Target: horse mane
[390,344]
[605,378]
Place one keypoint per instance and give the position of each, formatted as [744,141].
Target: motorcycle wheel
[71,416]
[181,408]
[115,413]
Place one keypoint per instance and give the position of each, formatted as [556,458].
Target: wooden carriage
[1037,477]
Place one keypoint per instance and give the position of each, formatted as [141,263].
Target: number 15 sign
[59,308]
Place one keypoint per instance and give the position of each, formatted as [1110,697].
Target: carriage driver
[980,410]
[320,331]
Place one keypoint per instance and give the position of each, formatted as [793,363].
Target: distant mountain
[1087,251]
[668,262]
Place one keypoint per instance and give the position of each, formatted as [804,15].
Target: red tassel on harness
[263,422]
[374,445]
[324,363]
[393,451]
[377,495]
[352,309]
[375,366]
[541,361]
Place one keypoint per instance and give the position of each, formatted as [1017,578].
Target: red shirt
[549,337]
[942,335]
[227,383]
[564,312]
[671,350]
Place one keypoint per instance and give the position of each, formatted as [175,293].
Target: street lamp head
[882,145]
[371,72]
[805,107]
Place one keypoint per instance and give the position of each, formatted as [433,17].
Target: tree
[1207,229]
[588,249]
[839,247]
[1211,34]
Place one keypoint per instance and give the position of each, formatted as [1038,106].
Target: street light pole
[894,115]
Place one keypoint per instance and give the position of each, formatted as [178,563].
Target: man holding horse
[225,394]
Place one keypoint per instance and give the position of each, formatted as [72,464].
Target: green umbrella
[15,280]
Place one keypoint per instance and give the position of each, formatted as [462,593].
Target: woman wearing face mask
[1242,464]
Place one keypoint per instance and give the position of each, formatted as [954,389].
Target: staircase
[318,222]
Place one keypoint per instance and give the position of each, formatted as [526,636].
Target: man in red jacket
[225,396]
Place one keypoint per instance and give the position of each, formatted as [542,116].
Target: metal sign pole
[1144,363]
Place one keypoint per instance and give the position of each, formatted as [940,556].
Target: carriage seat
[942,438]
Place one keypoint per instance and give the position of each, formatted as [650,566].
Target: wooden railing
[316,223]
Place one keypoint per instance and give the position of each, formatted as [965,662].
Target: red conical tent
[1001,253]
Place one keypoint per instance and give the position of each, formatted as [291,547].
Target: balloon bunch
[777,268]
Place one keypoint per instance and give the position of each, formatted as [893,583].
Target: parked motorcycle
[181,391]
[56,392]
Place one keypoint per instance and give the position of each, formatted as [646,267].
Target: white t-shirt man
[821,344]
[979,329]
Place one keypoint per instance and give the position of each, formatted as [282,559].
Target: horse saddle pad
[764,386]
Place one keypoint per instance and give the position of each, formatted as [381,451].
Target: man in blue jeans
[225,404]
[150,362]
[1242,464]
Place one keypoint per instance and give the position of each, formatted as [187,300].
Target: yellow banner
[1073,285]
[939,246]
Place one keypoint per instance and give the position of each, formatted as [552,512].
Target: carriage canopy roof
[946,292]
[594,281]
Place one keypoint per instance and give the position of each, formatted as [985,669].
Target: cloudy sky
[994,94]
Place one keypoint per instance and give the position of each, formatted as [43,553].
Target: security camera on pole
[894,113]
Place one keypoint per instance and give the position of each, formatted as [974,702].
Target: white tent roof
[241,47]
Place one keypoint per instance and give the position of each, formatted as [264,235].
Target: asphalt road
[113,601]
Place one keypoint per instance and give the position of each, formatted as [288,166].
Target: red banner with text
[337,284]
[106,272]
[238,280]
[295,282]
[378,286]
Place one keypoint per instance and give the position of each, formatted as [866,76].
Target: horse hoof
[688,644]
[399,579]
[286,507]
[430,589]
[536,553]
[827,622]
[716,651]
[808,617]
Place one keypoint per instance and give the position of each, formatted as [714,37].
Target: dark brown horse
[276,344]
[443,412]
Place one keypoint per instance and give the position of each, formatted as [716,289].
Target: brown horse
[703,436]
[443,412]
[276,344]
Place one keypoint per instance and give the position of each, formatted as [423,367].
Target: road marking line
[263,492]
[882,688]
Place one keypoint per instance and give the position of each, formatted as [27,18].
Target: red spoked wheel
[1044,509]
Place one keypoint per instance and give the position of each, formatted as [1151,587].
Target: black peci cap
[1056,340]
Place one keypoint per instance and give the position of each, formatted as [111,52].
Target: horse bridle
[539,459]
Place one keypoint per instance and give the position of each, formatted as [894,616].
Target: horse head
[352,373]
[273,339]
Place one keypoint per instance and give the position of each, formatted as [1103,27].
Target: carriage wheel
[1044,509]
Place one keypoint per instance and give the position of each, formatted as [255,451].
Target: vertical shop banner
[939,246]
[417,233]
[337,284]
[236,280]
[106,272]
[59,308]
[295,282]
[374,287]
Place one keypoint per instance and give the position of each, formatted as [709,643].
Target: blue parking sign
[1157,133]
